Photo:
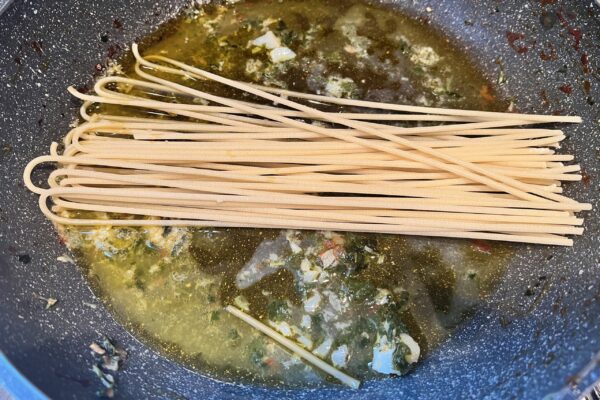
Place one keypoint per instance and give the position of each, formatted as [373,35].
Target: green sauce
[169,285]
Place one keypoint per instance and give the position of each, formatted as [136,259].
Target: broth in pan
[371,305]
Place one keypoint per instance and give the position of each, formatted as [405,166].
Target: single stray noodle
[294,348]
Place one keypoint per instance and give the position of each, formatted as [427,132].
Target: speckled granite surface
[516,346]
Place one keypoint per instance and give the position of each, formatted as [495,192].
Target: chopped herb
[281,25]
[400,363]
[215,316]
[364,340]
[113,350]
[107,379]
[6,148]
[277,310]
[288,37]
[179,244]
[335,57]
[360,290]
[349,88]
[233,334]
[111,358]
[251,24]
[257,353]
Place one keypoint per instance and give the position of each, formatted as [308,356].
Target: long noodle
[190,157]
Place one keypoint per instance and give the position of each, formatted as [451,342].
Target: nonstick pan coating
[527,340]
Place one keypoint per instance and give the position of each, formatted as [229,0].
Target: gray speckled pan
[538,329]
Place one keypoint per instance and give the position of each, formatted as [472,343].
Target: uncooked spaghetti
[194,158]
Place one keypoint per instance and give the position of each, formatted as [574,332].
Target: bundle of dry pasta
[183,156]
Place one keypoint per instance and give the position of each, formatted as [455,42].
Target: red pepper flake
[567,89]
[550,55]
[271,362]
[513,37]
[545,99]
[547,2]
[117,24]
[585,63]
[585,179]
[329,244]
[37,46]
[113,50]
[482,246]
[562,19]
[587,87]
[575,32]
[338,251]
[486,93]
[61,239]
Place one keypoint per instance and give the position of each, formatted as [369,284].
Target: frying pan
[528,339]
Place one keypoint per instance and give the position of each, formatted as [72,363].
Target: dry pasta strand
[198,159]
